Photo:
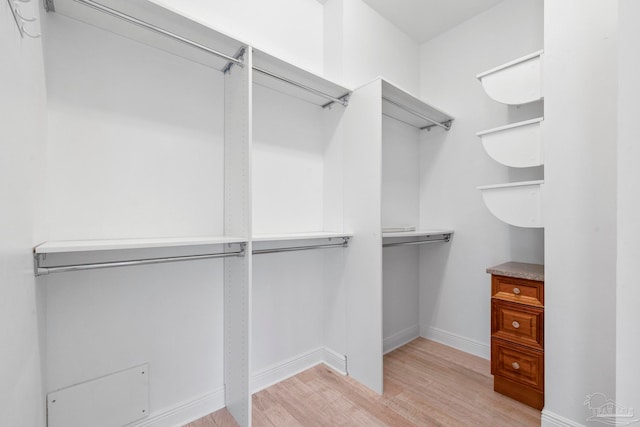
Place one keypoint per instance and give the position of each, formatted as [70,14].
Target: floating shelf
[401,105]
[518,145]
[283,77]
[156,26]
[516,82]
[516,203]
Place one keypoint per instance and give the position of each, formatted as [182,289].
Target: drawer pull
[515,324]
[515,365]
[516,291]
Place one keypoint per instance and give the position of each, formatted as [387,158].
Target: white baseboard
[336,361]
[283,370]
[190,411]
[186,412]
[456,341]
[549,419]
[400,338]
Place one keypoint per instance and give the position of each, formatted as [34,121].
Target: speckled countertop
[520,270]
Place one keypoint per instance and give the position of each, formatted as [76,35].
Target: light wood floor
[425,384]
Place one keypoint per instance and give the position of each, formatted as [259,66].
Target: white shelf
[299,83]
[517,203]
[65,246]
[516,145]
[516,82]
[283,237]
[166,19]
[417,233]
[402,106]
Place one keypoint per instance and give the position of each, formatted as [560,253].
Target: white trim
[186,412]
[510,64]
[549,419]
[280,371]
[400,338]
[511,184]
[510,126]
[335,360]
[456,341]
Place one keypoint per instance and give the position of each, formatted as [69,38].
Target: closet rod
[446,125]
[445,239]
[39,271]
[151,27]
[344,244]
[343,100]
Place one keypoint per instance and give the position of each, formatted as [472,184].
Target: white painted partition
[237,221]
[362,215]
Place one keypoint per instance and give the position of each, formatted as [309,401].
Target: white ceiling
[425,19]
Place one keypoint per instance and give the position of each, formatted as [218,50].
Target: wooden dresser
[517,331]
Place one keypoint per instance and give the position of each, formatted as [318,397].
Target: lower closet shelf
[54,256]
[419,237]
[274,243]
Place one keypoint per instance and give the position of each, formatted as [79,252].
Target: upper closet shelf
[516,82]
[283,77]
[156,26]
[402,106]
[517,145]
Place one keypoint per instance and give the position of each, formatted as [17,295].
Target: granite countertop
[520,270]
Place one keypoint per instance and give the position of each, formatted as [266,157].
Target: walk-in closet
[317,212]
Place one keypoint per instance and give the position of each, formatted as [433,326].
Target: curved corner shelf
[517,145]
[517,203]
[516,82]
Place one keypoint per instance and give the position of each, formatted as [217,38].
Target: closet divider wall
[169,141]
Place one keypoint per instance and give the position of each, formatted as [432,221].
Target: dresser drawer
[521,291]
[518,323]
[517,363]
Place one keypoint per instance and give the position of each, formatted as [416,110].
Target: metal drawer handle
[515,365]
[515,324]
[516,291]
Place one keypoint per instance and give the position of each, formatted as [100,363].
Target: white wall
[288,29]
[580,83]
[22,120]
[628,293]
[400,207]
[361,45]
[135,144]
[455,290]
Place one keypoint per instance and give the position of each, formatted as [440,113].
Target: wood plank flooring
[425,384]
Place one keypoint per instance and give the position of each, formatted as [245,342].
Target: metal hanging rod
[130,19]
[344,244]
[343,100]
[39,271]
[445,238]
[445,125]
